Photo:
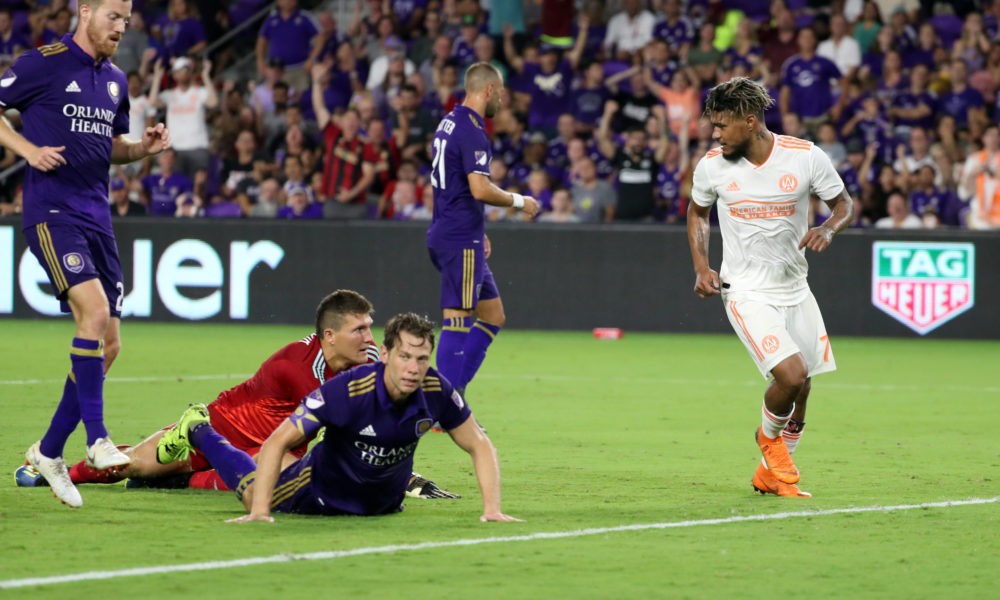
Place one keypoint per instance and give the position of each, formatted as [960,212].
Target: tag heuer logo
[923,285]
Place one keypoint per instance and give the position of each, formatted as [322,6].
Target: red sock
[81,473]
[207,480]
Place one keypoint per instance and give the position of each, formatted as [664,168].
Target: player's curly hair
[411,323]
[331,310]
[739,97]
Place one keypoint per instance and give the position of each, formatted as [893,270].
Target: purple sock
[231,463]
[63,423]
[88,371]
[449,352]
[481,335]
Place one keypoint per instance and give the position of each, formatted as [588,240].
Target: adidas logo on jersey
[733,187]
[369,431]
[73,87]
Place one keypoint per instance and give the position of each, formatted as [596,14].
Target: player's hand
[251,518]
[317,72]
[817,239]
[499,516]
[531,207]
[47,158]
[156,139]
[706,284]
[420,487]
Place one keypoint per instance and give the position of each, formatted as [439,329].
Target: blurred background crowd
[313,110]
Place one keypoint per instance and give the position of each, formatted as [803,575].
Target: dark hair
[740,97]
[409,87]
[411,323]
[331,310]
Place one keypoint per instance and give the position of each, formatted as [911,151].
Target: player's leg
[194,431]
[763,332]
[490,318]
[457,267]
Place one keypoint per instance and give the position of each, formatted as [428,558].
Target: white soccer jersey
[763,212]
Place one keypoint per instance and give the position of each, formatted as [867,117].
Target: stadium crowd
[602,119]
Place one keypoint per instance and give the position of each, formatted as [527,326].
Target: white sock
[771,423]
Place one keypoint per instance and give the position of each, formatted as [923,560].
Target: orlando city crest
[73,262]
[114,90]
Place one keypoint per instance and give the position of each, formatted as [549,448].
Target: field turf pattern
[649,429]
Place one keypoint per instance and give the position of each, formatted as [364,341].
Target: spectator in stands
[288,34]
[296,143]
[345,178]
[704,58]
[405,203]
[899,216]
[532,158]
[463,49]
[910,157]
[248,190]
[186,105]
[974,45]
[556,155]
[414,121]
[746,51]
[914,106]
[163,188]
[980,183]
[840,48]
[676,30]
[241,164]
[188,207]
[962,102]
[827,140]
[587,99]
[423,44]
[57,25]
[871,126]
[927,46]
[268,200]
[179,31]
[121,204]
[635,101]
[934,205]
[562,209]
[12,43]
[538,187]
[681,100]
[550,80]
[593,199]
[328,41]
[867,28]
[381,67]
[431,67]
[629,30]
[807,82]
[298,205]
[294,176]
[779,43]
[485,51]
[791,124]
[636,165]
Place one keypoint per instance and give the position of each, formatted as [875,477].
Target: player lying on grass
[374,416]
[249,412]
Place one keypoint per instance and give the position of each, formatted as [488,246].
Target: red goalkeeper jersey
[258,406]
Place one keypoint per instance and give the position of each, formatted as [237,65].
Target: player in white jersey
[761,184]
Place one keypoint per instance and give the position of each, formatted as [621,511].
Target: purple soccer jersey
[809,81]
[550,94]
[288,39]
[460,147]
[957,104]
[67,100]
[364,461]
[676,34]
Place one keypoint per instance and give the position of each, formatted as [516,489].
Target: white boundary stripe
[988,389]
[334,554]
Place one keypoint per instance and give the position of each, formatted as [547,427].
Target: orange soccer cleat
[764,482]
[777,458]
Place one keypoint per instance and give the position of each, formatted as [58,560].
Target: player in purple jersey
[456,239]
[374,416]
[75,112]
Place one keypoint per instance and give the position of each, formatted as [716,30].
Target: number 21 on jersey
[437,164]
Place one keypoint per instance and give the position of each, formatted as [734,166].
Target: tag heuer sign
[923,284]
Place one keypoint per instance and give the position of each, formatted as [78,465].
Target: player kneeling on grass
[374,416]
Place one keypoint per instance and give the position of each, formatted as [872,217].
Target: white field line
[335,554]
[864,387]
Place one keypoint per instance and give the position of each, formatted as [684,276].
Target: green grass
[647,429]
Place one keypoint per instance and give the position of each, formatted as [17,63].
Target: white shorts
[773,333]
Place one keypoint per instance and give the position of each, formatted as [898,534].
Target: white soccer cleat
[104,455]
[54,471]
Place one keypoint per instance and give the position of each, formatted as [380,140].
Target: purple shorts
[71,255]
[465,277]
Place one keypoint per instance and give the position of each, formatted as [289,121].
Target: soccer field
[629,460]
